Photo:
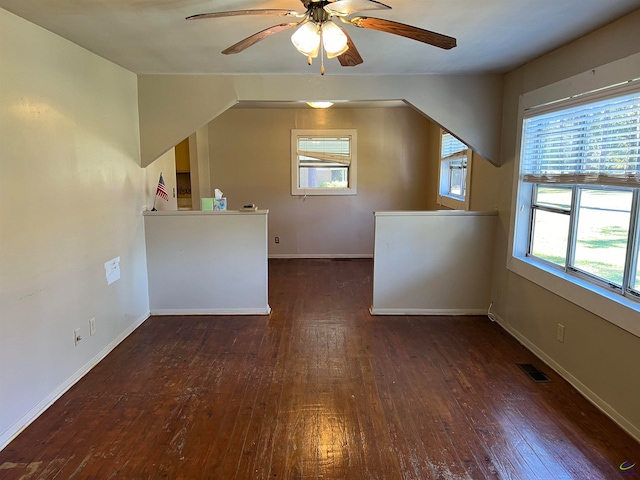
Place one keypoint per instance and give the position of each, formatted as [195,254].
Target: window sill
[452,202]
[614,308]
[301,192]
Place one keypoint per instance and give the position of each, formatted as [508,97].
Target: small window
[323,162]
[455,167]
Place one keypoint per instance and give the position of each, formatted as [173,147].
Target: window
[579,192]
[587,237]
[323,162]
[455,166]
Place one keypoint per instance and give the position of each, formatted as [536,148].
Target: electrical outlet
[560,333]
[92,326]
[277,239]
[76,336]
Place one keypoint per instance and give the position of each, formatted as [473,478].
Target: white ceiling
[153,37]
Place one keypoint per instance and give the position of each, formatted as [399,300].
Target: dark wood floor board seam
[319,389]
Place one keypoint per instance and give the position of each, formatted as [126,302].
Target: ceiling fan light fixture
[306,39]
[334,40]
[320,104]
[317,33]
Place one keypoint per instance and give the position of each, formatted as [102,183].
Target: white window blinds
[324,151]
[593,142]
[452,147]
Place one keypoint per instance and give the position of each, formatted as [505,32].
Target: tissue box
[220,203]
[206,204]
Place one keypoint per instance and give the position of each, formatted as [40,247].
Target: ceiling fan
[318,33]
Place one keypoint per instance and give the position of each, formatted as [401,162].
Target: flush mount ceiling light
[318,34]
[320,104]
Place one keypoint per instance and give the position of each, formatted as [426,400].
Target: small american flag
[162,189]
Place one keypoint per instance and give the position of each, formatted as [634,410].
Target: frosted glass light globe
[307,39]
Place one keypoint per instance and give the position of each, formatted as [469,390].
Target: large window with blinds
[323,162]
[580,172]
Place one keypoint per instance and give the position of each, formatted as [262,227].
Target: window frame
[351,189]
[620,310]
[573,213]
[444,196]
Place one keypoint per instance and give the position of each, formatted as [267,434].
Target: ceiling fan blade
[351,57]
[256,37]
[235,13]
[347,7]
[414,33]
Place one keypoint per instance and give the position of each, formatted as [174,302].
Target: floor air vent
[535,374]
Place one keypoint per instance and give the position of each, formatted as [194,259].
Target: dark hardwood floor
[320,389]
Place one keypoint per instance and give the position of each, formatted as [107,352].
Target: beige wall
[250,151]
[71,190]
[423,260]
[207,263]
[174,106]
[200,168]
[166,165]
[597,357]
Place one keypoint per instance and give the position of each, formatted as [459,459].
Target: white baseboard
[577,384]
[28,418]
[212,311]
[427,311]
[320,256]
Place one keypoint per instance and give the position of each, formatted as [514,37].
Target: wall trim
[427,311]
[585,391]
[212,311]
[320,255]
[28,418]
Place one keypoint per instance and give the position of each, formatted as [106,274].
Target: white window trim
[449,201]
[353,170]
[614,308]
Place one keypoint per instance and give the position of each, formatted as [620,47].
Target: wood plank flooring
[320,389]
